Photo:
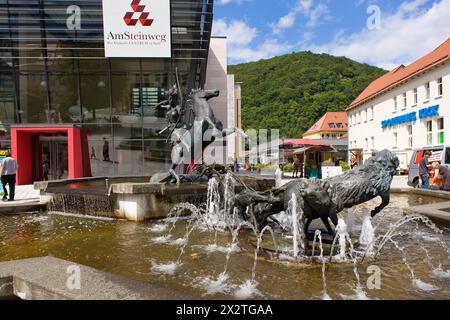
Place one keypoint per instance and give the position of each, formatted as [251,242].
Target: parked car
[441,154]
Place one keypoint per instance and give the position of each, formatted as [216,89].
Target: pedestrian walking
[8,170]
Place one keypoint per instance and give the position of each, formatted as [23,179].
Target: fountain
[367,236]
[222,235]
[211,250]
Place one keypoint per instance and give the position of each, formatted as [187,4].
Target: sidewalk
[26,199]
[399,182]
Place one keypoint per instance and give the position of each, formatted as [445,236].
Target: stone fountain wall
[133,201]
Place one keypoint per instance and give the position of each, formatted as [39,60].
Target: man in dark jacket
[423,170]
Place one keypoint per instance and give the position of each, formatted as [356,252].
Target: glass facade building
[53,72]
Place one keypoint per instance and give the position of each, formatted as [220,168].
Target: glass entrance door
[54,157]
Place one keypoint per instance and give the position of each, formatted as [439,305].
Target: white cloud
[285,22]
[241,44]
[267,49]
[312,10]
[404,36]
[238,32]
[316,15]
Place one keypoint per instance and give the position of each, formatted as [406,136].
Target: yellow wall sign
[3,153]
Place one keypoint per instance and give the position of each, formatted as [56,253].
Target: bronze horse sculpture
[325,199]
[193,127]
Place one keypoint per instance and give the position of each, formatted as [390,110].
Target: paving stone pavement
[398,182]
[24,194]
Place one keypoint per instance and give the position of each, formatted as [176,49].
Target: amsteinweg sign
[137,28]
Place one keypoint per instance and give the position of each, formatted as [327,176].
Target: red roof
[401,74]
[303,143]
[331,121]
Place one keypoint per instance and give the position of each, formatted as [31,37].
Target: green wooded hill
[293,91]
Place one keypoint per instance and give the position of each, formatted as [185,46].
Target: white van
[441,154]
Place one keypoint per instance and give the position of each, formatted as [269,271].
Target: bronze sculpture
[325,199]
[193,127]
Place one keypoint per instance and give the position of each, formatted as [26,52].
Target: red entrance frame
[22,150]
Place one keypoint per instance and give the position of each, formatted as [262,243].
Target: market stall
[318,161]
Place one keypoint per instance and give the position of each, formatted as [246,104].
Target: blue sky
[385,33]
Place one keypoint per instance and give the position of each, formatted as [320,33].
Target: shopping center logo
[138,15]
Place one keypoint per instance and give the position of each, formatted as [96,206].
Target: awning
[315,149]
[303,142]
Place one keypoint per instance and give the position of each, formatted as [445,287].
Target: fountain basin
[130,198]
[438,212]
[131,250]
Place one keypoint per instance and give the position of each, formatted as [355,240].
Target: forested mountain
[291,92]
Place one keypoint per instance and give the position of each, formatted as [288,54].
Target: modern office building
[406,109]
[67,110]
[227,107]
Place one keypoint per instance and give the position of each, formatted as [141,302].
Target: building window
[395,140]
[440,87]
[416,97]
[395,105]
[440,130]
[372,142]
[358,117]
[365,116]
[340,126]
[405,101]
[410,136]
[429,125]
[427,91]
[371,114]
[366,143]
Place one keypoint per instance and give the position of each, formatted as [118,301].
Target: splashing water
[221,216]
[229,196]
[418,283]
[367,237]
[318,235]
[213,214]
[168,268]
[233,245]
[440,273]
[163,239]
[424,286]
[278,178]
[158,228]
[214,286]
[248,290]
[391,233]
[298,232]
[341,238]
[350,221]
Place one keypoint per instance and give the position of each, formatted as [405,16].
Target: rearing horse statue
[194,129]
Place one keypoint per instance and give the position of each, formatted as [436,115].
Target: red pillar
[87,172]
[75,153]
[21,151]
